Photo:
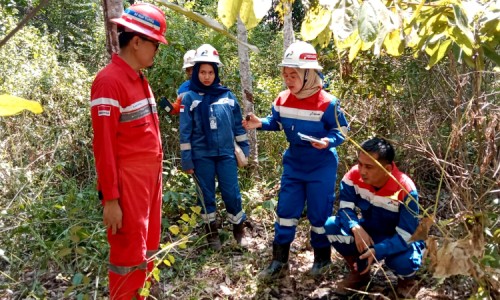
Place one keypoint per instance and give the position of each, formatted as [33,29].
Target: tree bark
[288,35]
[112,9]
[247,91]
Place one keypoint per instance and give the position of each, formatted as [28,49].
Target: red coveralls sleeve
[105,112]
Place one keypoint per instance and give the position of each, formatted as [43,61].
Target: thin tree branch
[24,21]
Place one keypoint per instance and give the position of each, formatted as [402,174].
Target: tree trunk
[112,9]
[247,91]
[288,35]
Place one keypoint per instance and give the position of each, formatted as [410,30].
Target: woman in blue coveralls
[303,111]
[210,124]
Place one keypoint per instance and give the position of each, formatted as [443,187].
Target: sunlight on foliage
[473,27]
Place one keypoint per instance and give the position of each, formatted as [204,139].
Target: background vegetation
[52,242]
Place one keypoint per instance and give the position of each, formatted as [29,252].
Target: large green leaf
[368,23]
[247,14]
[315,22]
[344,18]
[12,105]
[228,11]
[393,43]
[211,23]
[491,54]
[323,39]
[461,40]
[250,11]
[462,22]
[440,52]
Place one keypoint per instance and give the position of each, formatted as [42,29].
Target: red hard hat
[146,19]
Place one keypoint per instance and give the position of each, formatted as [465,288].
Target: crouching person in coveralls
[389,211]
[210,124]
[310,168]
[128,150]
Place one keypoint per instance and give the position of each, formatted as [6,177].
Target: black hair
[124,37]
[381,147]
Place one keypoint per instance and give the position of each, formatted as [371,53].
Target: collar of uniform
[116,59]
[391,185]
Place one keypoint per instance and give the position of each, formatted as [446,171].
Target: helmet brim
[313,66]
[133,27]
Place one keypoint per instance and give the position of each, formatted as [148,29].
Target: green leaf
[491,54]
[206,21]
[64,252]
[442,49]
[353,51]
[228,11]
[69,291]
[185,217]
[196,209]
[344,18]
[171,258]
[80,250]
[247,14]
[174,229]
[156,276]
[462,22]
[393,43]
[74,238]
[316,20]
[77,279]
[323,39]
[11,105]
[461,40]
[368,23]
[167,262]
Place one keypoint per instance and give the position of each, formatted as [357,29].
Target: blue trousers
[223,167]
[303,183]
[403,264]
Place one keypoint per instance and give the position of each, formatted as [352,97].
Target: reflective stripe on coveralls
[125,270]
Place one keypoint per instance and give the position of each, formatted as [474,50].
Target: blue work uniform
[309,174]
[389,216]
[216,159]
[184,87]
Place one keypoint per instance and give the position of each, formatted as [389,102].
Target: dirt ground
[200,273]
[232,274]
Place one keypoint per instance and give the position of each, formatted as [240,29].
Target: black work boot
[279,264]
[213,236]
[239,234]
[322,261]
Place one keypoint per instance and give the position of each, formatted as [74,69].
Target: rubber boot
[354,279]
[279,264]
[239,234]
[322,261]
[407,288]
[213,236]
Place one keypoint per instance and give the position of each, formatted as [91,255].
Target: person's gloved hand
[165,104]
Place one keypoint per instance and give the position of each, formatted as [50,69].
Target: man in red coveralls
[128,150]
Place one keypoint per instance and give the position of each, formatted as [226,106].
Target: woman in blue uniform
[314,125]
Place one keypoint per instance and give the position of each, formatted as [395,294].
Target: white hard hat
[188,59]
[207,53]
[301,55]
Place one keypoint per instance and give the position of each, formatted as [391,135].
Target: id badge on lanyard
[212,119]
